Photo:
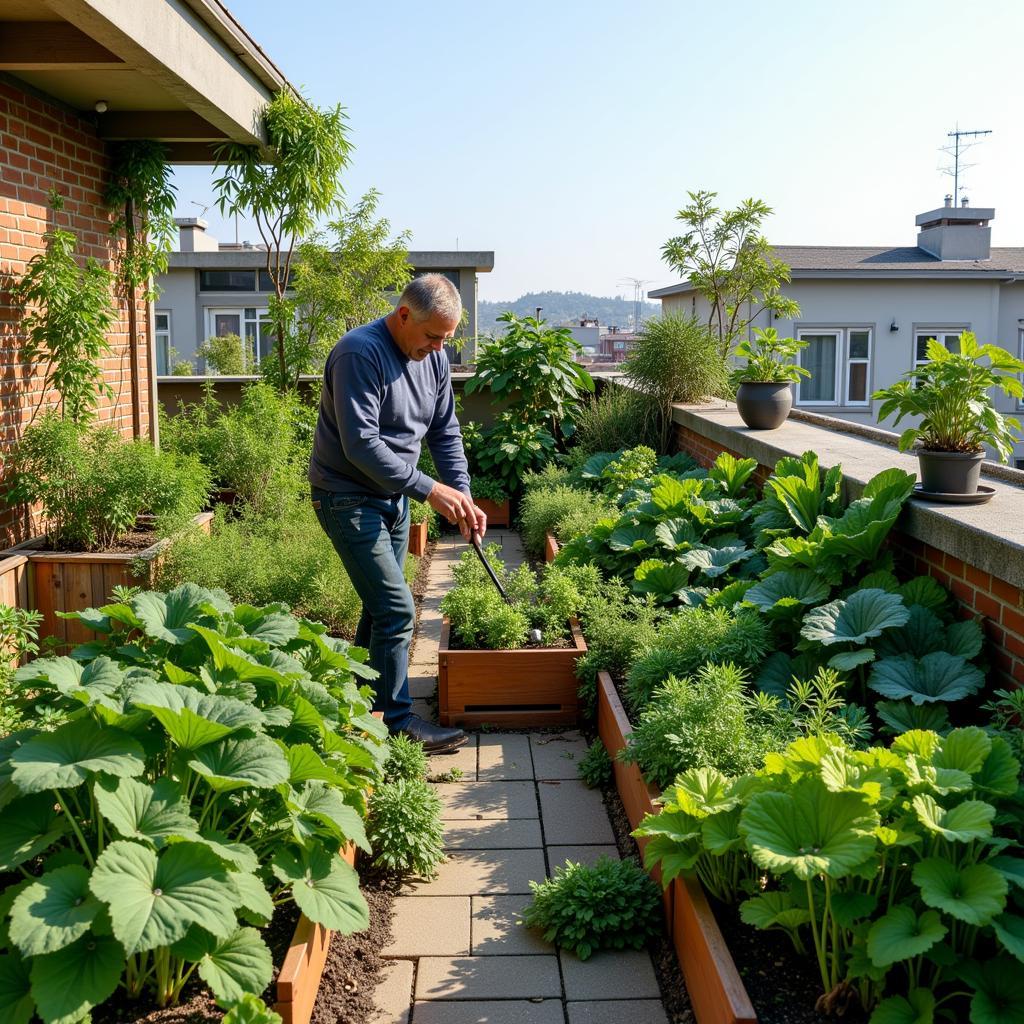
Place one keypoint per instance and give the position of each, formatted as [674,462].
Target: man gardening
[387,387]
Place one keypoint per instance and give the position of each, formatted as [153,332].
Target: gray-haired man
[387,387]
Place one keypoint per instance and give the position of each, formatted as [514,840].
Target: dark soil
[420,580]
[130,543]
[354,963]
[455,644]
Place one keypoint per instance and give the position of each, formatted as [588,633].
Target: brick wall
[977,593]
[44,146]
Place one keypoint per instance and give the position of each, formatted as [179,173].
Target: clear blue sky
[564,136]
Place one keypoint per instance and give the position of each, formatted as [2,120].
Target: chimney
[956,233]
[192,236]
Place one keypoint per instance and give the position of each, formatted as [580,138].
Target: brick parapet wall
[978,593]
[43,146]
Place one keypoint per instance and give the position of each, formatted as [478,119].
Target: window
[949,336]
[839,360]
[266,285]
[227,280]
[162,338]
[1018,463]
[620,345]
[249,322]
[452,275]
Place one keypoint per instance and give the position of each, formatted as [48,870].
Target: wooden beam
[164,125]
[51,45]
[191,152]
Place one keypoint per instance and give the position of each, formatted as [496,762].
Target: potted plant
[492,497]
[764,394]
[421,516]
[951,393]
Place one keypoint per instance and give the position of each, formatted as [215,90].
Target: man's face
[418,338]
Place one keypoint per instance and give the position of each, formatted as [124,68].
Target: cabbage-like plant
[213,760]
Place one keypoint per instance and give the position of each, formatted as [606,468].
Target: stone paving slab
[423,709]
[626,974]
[496,931]
[482,873]
[519,833]
[505,756]
[463,758]
[422,686]
[508,1011]
[557,755]
[477,800]
[429,926]
[635,1011]
[558,855]
[572,814]
[487,977]
[393,996]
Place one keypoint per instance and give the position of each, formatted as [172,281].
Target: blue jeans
[371,535]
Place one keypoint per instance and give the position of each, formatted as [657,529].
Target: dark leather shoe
[436,739]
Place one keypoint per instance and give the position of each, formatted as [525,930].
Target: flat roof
[481,261]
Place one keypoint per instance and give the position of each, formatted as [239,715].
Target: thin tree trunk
[133,323]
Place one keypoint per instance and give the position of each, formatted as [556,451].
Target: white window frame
[168,339]
[841,384]
[1020,355]
[837,333]
[262,313]
[932,332]
[848,361]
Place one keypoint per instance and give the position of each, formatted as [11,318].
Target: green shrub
[225,354]
[702,721]
[542,511]
[92,484]
[620,418]
[595,767]
[19,631]
[552,475]
[406,759]
[404,827]
[611,905]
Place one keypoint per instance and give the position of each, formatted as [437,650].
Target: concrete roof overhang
[425,259]
[183,72]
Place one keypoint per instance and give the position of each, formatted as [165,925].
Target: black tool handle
[475,537]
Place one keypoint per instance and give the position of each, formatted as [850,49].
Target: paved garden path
[517,812]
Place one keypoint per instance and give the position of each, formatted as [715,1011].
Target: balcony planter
[497,514]
[950,472]
[66,581]
[764,405]
[550,547]
[531,686]
[715,987]
[418,538]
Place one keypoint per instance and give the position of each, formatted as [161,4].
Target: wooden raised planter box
[65,581]
[531,686]
[712,981]
[418,538]
[550,547]
[497,515]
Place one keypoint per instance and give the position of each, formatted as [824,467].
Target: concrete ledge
[989,537]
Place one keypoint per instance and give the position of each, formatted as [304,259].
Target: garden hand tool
[535,634]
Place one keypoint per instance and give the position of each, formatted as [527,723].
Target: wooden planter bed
[418,538]
[550,547]
[531,686]
[712,980]
[497,515]
[64,581]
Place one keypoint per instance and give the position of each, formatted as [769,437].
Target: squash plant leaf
[847,661]
[324,888]
[140,811]
[234,763]
[921,634]
[918,1007]
[904,715]
[999,998]
[974,894]
[251,1009]
[72,754]
[272,624]
[964,749]
[663,579]
[1009,929]
[964,638]
[16,1003]
[865,614]
[231,966]
[193,719]
[69,983]
[53,911]
[167,616]
[154,900]
[715,562]
[27,827]
[632,537]
[925,591]
[254,901]
[935,677]
[963,823]
[1000,771]
[782,591]
[316,808]
[676,534]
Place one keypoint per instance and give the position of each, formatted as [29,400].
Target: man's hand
[457,507]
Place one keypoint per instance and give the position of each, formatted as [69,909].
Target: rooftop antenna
[955,150]
[638,298]
[202,209]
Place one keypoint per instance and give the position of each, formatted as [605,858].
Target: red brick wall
[43,146]
[977,593]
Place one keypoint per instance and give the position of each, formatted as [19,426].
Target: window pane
[820,358]
[227,280]
[922,346]
[163,321]
[226,323]
[161,355]
[250,313]
[266,285]
[267,339]
[859,344]
[858,382]
[952,342]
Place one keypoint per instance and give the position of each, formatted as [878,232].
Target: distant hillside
[561,306]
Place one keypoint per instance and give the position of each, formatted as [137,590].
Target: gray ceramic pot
[764,405]
[950,472]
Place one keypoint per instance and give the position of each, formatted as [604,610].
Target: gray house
[215,288]
[868,312]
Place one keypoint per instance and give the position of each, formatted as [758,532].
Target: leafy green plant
[508,450]
[19,631]
[595,767]
[952,393]
[610,905]
[227,355]
[545,510]
[92,484]
[617,418]
[769,358]
[406,759]
[214,760]
[404,827]
[490,489]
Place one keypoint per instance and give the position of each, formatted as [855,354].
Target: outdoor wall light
[894,326]
[100,106]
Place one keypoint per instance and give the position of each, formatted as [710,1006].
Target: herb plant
[213,760]
[595,767]
[952,393]
[769,358]
[406,759]
[545,510]
[404,827]
[19,631]
[611,905]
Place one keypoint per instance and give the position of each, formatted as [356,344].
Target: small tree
[728,260]
[341,278]
[287,191]
[227,355]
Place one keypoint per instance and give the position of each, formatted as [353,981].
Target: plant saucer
[979,497]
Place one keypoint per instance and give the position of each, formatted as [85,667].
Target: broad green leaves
[231,966]
[324,888]
[901,935]
[865,614]
[237,763]
[935,677]
[193,719]
[70,982]
[973,894]
[151,813]
[784,590]
[28,827]
[53,912]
